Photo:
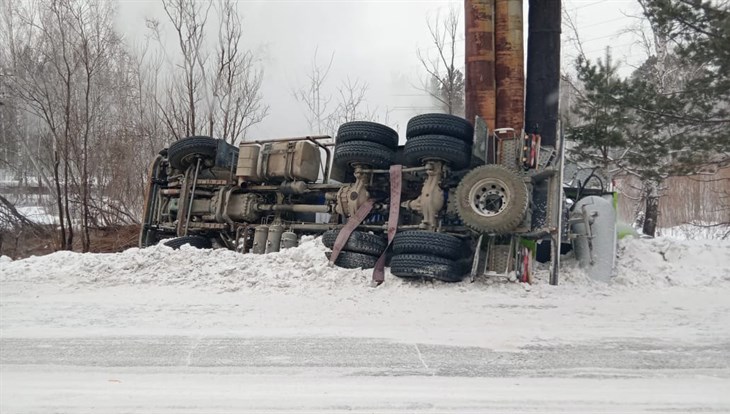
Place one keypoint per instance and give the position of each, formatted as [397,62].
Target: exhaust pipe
[479,69]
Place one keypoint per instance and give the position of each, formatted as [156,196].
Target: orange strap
[396,182]
[344,235]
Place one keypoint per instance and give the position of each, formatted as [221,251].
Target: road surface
[163,374]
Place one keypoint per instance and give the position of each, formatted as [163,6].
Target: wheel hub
[489,197]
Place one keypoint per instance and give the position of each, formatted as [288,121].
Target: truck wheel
[492,199]
[440,124]
[198,242]
[367,131]
[363,152]
[426,242]
[359,242]
[182,153]
[352,260]
[455,152]
[423,265]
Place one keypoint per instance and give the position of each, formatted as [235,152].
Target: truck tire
[198,242]
[492,199]
[426,266]
[455,152]
[182,153]
[440,124]
[359,242]
[352,260]
[367,131]
[426,242]
[363,152]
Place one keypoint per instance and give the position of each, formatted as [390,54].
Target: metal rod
[410,169]
[296,208]
[307,138]
[326,175]
[192,197]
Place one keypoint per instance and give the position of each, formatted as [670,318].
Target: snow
[162,390]
[642,262]
[672,262]
[696,231]
[663,289]
[37,215]
[162,330]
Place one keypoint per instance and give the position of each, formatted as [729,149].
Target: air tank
[289,239]
[259,240]
[273,240]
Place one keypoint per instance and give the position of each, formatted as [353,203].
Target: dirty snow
[162,330]
[663,289]
[641,262]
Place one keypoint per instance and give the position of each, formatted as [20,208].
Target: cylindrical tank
[543,70]
[289,239]
[594,239]
[480,81]
[273,241]
[509,66]
[259,240]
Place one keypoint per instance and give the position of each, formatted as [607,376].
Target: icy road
[160,331]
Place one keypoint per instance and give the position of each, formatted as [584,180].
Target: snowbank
[672,262]
[642,263]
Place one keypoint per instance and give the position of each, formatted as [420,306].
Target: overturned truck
[444,210]
[458,199]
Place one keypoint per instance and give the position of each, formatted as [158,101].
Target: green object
[624,230]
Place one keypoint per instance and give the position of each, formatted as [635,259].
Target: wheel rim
[489,197]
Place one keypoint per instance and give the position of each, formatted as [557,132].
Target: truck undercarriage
[449,213]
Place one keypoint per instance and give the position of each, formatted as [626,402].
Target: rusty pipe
[509,67]
[480,85]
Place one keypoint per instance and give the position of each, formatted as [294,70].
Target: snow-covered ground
[160,330]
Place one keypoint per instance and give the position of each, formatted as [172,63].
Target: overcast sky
[374,41]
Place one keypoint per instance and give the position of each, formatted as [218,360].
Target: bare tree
[216,93]
[237,81]
[444,80]
[70,85]
[326,110]
[188,18]
[313,96]
[351,105]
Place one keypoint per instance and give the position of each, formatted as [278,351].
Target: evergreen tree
[671,116]
[603,120]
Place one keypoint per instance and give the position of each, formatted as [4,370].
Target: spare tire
[455,152]
[363,152]
[440,124]
[183,153]
[427,242]
[492,199]
[422,265]
[359,242]
[199,242]
[367,131]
